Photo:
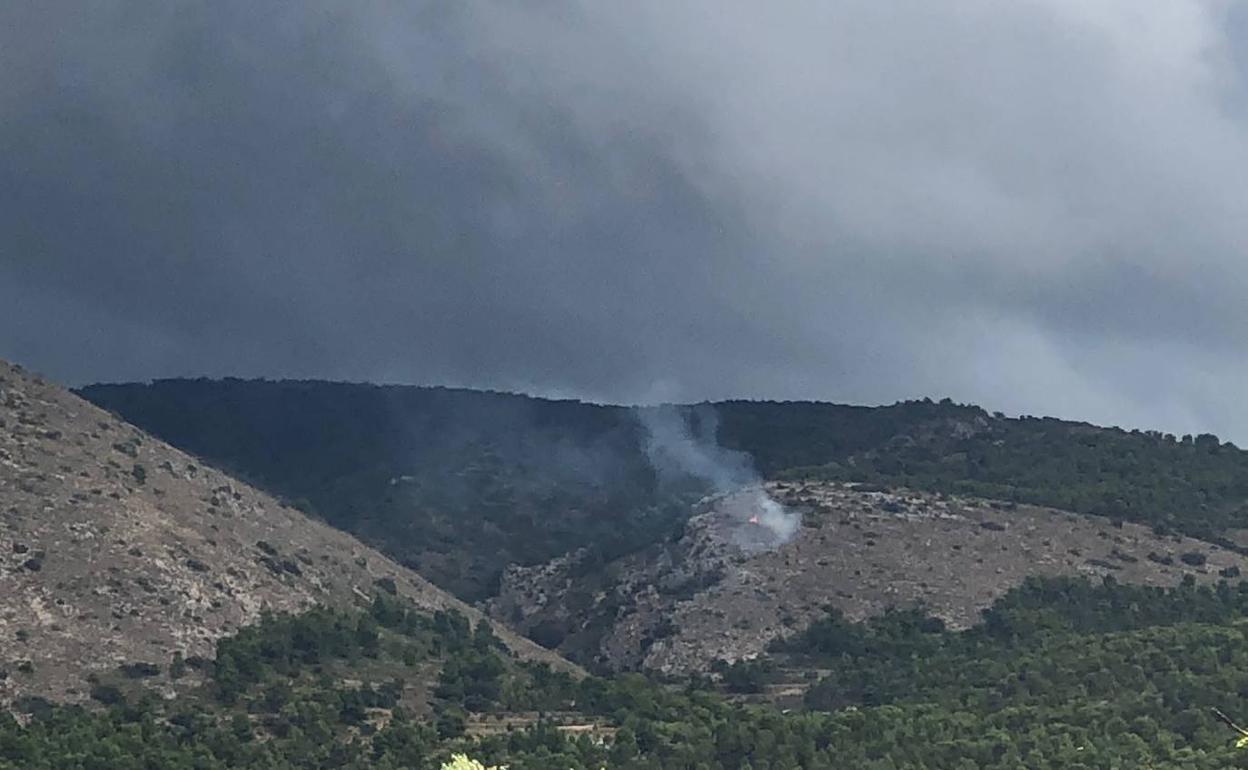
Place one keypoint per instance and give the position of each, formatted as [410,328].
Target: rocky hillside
[457,484]
[709,595]
[118,549]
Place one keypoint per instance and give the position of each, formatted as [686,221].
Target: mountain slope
[680,606]
[453,483]
[119,549]
[458,483]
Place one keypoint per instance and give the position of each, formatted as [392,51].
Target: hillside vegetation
[1062,674]
[458,483]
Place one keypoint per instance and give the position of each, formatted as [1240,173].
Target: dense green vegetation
[457,483]
[1129,673]
[1047,638]
[385,688]
[1062,674]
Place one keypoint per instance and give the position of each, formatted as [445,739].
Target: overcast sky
[1038,206]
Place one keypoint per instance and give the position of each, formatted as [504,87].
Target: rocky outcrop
[678,607]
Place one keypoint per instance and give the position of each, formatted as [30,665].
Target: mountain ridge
[420,472]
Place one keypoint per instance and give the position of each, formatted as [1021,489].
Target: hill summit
[119,550]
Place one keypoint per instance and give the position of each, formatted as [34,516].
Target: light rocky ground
[117,548]
[678,608]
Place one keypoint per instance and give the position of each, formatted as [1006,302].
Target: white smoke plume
[681,443]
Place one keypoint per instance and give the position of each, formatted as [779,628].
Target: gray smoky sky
[1038,206]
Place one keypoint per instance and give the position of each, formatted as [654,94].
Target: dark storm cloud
[1038,207]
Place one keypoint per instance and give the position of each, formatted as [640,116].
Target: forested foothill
[1061,674]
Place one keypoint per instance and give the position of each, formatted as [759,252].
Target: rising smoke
[681,443]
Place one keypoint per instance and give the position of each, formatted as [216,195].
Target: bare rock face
[712,595]
[117,549]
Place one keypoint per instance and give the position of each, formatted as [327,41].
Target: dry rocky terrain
[118,549]
[704,597]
